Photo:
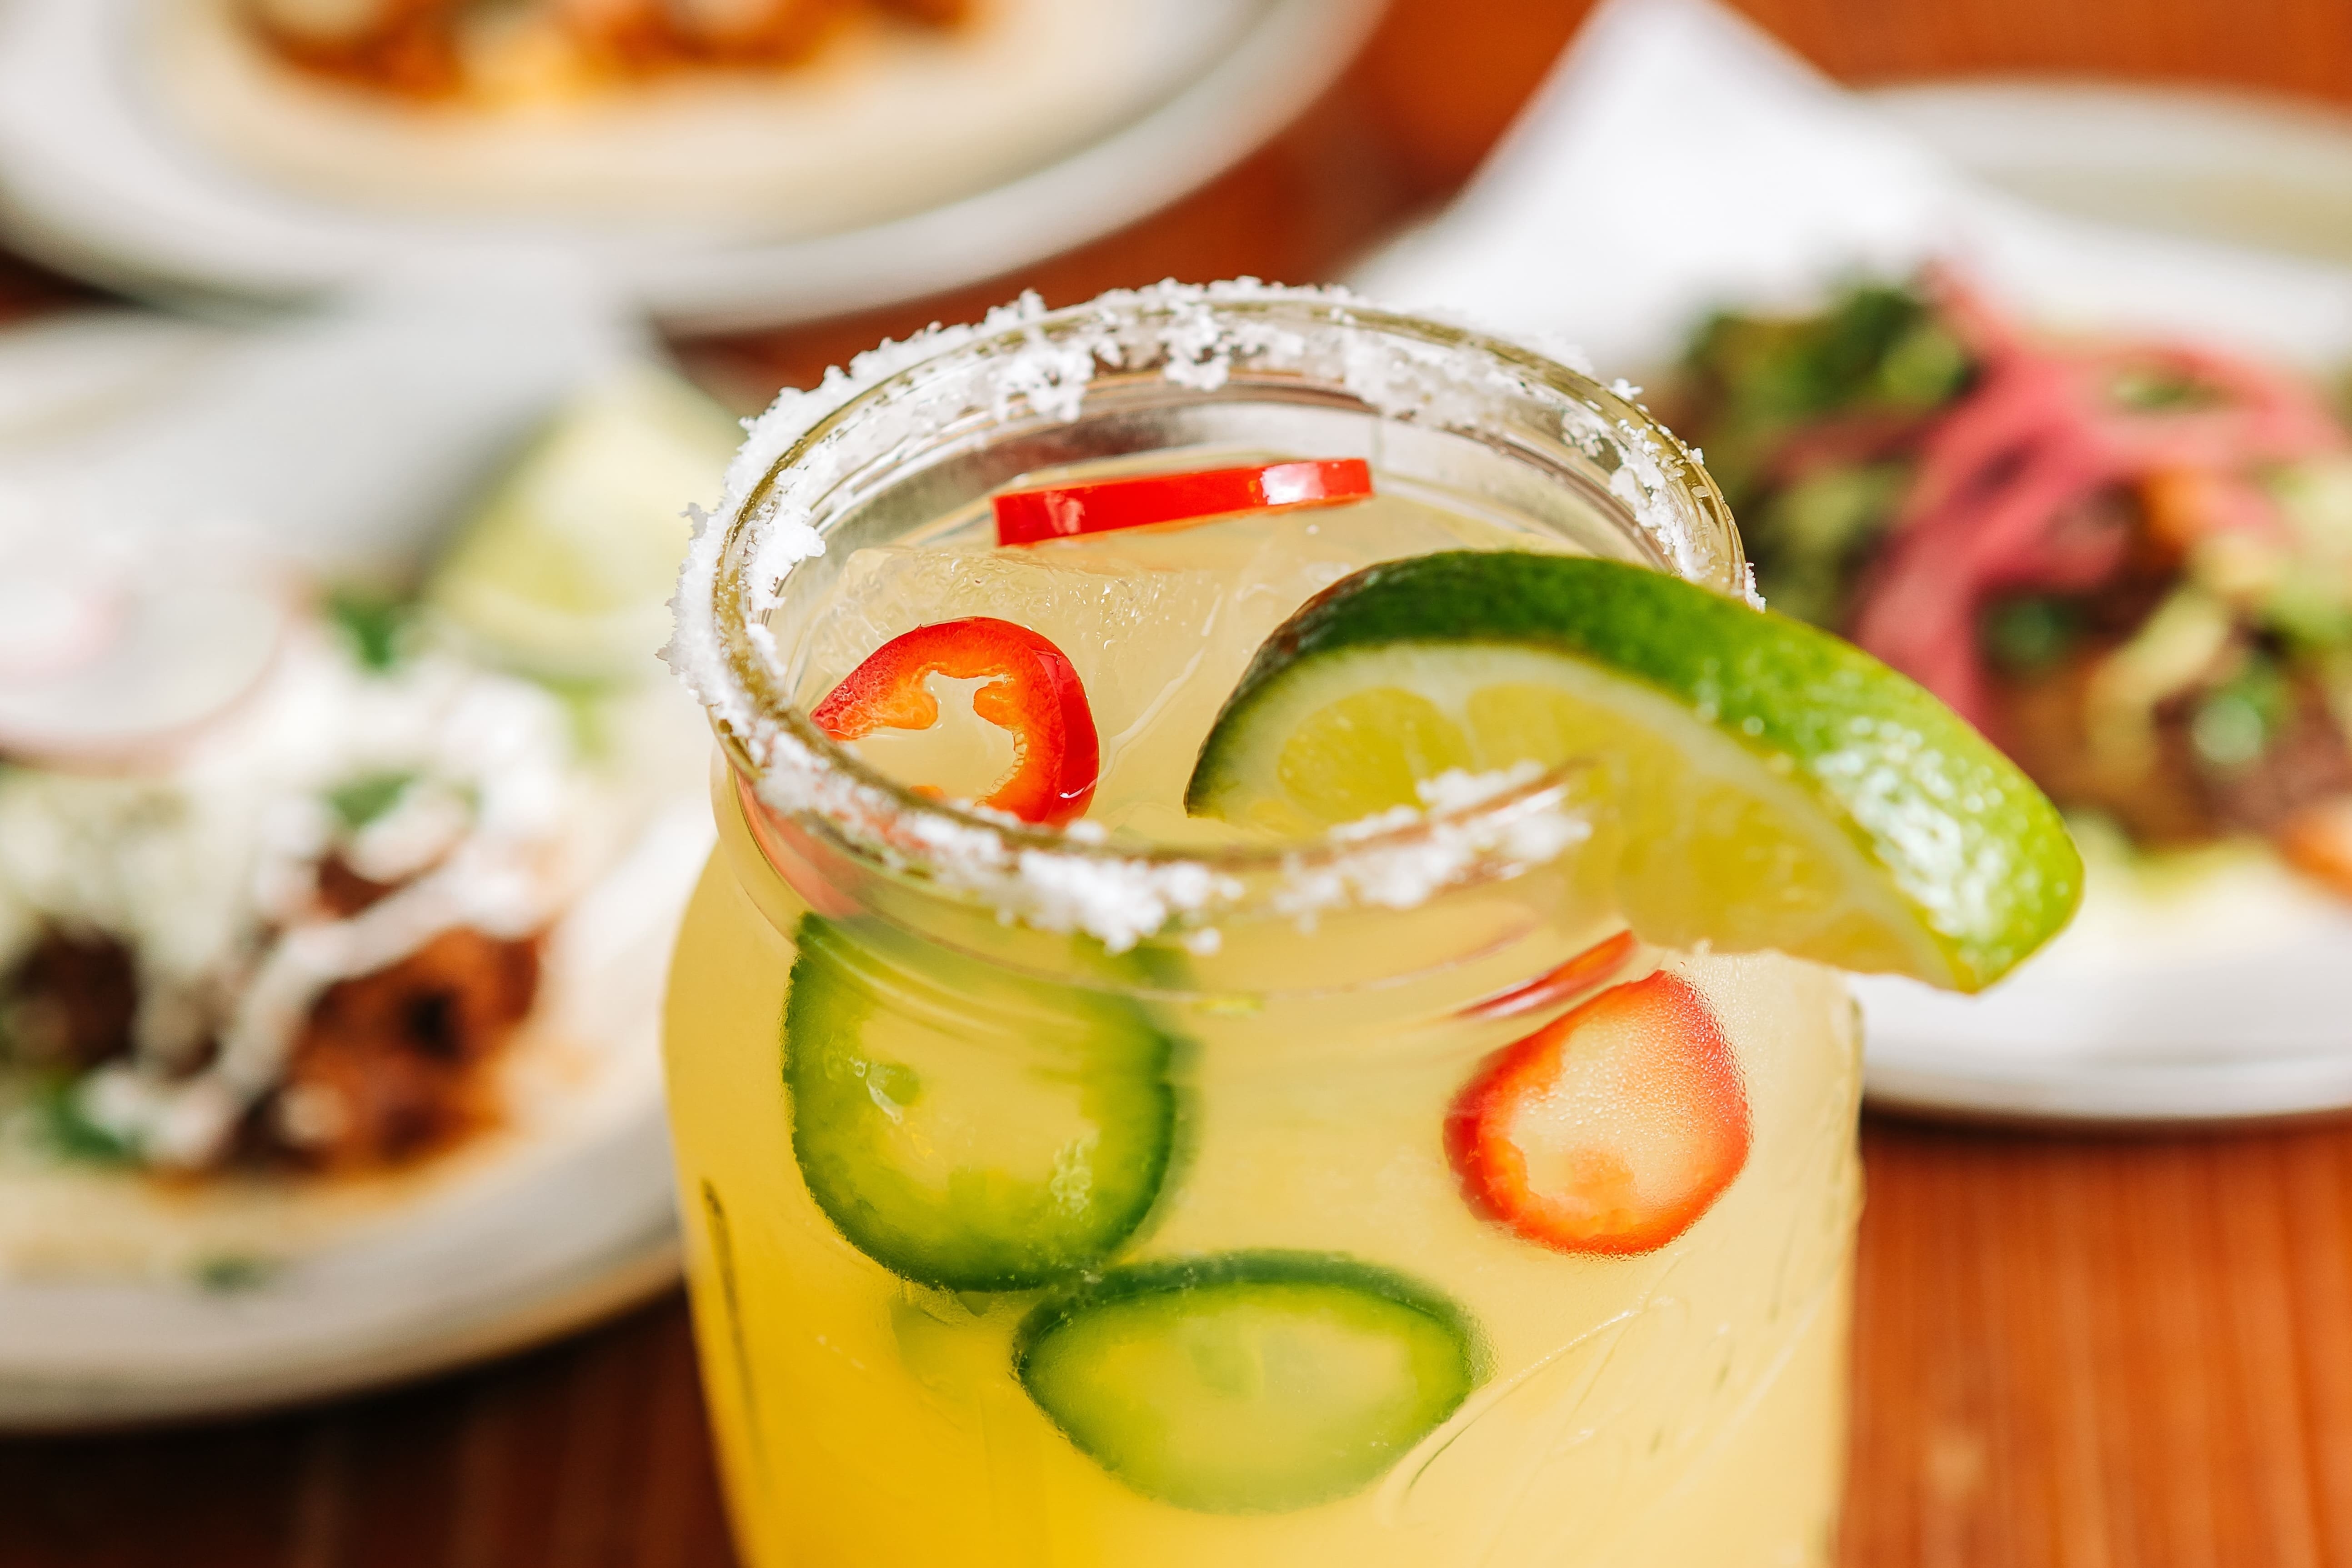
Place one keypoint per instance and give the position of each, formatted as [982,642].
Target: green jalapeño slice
[964,1126]
[1249,1381]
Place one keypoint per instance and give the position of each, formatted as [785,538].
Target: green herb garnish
[229,1273]
[2235,723]
[375,623]
[1876,350]
[66,1130]
[365,798]
[1811,537]
[2030,634]
[2308,612]
[2149,389]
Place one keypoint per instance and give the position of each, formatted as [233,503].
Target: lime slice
[1757,784]
[567,569]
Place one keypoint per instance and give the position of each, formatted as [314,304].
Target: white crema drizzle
[206,869]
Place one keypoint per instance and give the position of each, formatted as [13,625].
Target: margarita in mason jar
[1267,994]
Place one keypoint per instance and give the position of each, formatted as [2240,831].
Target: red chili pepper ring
[1062,512]
[1034,693]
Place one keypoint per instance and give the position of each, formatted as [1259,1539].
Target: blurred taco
[291,945]
[435,50]
[2129,561]
[722,118]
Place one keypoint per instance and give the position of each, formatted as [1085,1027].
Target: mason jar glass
[1238,1071]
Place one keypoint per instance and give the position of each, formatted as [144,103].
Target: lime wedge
[567,568]
[1756,783]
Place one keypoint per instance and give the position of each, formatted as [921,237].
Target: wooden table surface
[2095,1351]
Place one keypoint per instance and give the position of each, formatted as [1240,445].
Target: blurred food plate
[2192,989]
[2211,988]
[515,1244]
[503,739]
[157,144]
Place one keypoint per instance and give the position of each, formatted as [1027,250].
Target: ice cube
[1266,564]
[1273,562]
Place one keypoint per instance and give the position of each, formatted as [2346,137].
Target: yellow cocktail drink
[1211,1034]
[1686,1407]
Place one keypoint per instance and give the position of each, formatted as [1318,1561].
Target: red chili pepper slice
[1024,517]
[792,854]
[1611,1129]
[1035,694]
[1586,970]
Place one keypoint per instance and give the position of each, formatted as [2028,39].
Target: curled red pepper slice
[1586,970]
[1033,693]
[1060,512]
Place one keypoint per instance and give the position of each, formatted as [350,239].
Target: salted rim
[1022,360]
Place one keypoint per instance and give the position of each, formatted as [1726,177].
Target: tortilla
[582,1065]
[884,120]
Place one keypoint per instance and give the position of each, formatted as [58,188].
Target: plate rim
[1187,136]
[1977,92]
[642,1268]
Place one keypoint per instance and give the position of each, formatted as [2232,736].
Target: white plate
[344,437]
[94,178]
[2220,997]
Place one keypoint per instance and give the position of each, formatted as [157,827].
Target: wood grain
[2102,1352]
[2070,1352]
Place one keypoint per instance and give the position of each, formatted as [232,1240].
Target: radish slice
[104,670]
[51,624]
